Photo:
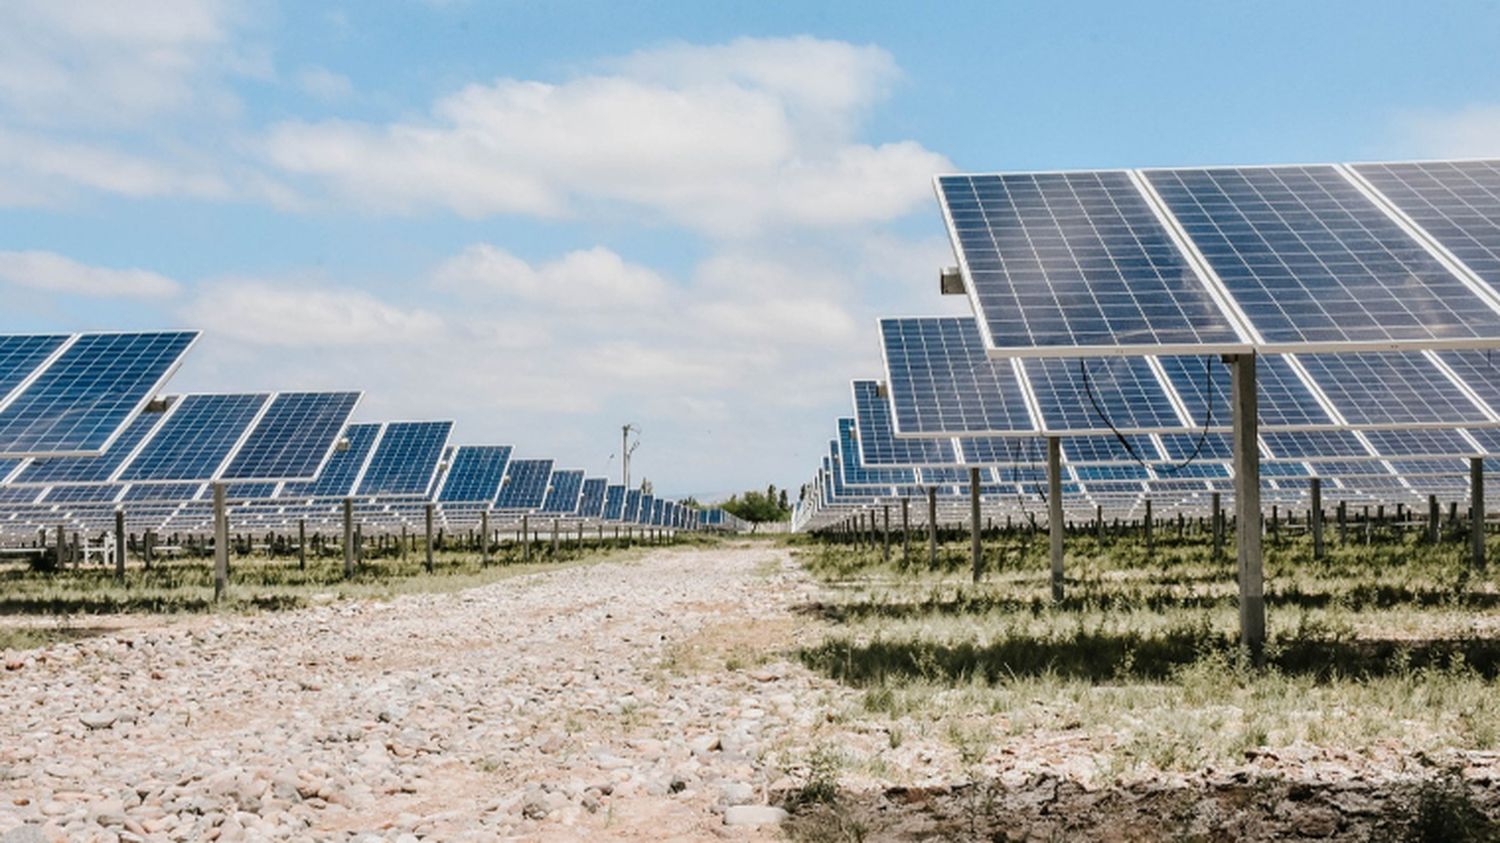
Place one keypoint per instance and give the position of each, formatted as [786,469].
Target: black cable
[1169,468]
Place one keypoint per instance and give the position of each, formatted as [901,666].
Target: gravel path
[561,705]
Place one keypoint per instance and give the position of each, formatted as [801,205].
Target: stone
[754,815]
[98,719]
[737,793]
[24,834]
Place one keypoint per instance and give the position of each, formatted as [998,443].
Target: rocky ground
[650,698]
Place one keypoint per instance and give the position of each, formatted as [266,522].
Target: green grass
[1392,644]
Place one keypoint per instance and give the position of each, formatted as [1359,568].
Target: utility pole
[626,449]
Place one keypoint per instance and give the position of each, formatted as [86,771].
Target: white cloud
[93,61]
[588,278]
[1469,132]
[298,316]
[729,139]
[324,84]
[54,273]
[35,170]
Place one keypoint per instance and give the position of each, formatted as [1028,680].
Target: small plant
[1443,809]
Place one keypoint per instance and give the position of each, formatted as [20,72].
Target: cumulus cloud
[38,170]
[1469,132]
[297,316]
[729,139]
[90,61]
[586,278]
[324,84]
[58,274]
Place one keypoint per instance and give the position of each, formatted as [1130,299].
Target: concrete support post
[1247,507]
[1055,513]
[427,517]
[975,548]
[348,538]
[1316,514]
[221,543]
[931,527]
[1476,501]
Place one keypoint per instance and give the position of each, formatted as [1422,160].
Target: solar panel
[942,383]
[102,493]
[1457,203]
[878,445]
[1084,395]
[89,470]
[1311,260]
[614,503]
[198,434]
[1397,389]
[1316,444]
[475,473]
[406,459]
[294,438]
[1108,449]
[80,402]
[994,450]
[562,497]
[22,354]
[525,485]
[1069,260]
[171,492]
[856,474]
[647,504]
[591,504]
[1419,443]
[632,510]
[336,480]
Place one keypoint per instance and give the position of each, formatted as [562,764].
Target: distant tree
[691,502]
[758,507]
[646,487]
[782,502]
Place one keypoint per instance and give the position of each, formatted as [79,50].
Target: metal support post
[1055,513]
[975,549]
[348,538]
[221,543]
[1316,514]
[1247,507]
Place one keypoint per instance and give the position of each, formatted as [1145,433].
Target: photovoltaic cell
[195,438]
[475,473]
[941,382]
[996,450]
[1479,371]
[562,497]
[294,437]
[21,354]
[336,480]
[632,509]
[406,460]
[1391,388]
[1419,443]
[1456,202]
[1063,260]
[1084,395]
[856,474]
[647,504]
[1302,445]
[525,485]
[1078,450]
[87,395]
[878,445]
[1309,259]
[591,504]
[89,470]
[614,503]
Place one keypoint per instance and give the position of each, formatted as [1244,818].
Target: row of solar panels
[81,433]
[1098,296]
[1297,258]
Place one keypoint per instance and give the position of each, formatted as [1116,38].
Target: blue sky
[546,219]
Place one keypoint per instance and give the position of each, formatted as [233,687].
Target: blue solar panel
[1283,399]
[1392,388]
[1179,447]
[1310,259]
[1488,439]
[614,503]
[80,403]
[475,473]
[336,480]
[168,492]
[632,512]
[658,512]
[647,504]
[856,474]
[878,445]
[1063,260]
[1084,395]
[562,497]
[591,505]
[942,383]
[406,459]
[242,491]
[294,437]
[197,436]
[21,354]
[1456,202]
[996,450]
[1419,443]
[89,470]
[1095,450]
[525,484]
[1324,444]
[1479,371]
[103,493]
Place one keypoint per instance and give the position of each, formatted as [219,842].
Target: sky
[547,219]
